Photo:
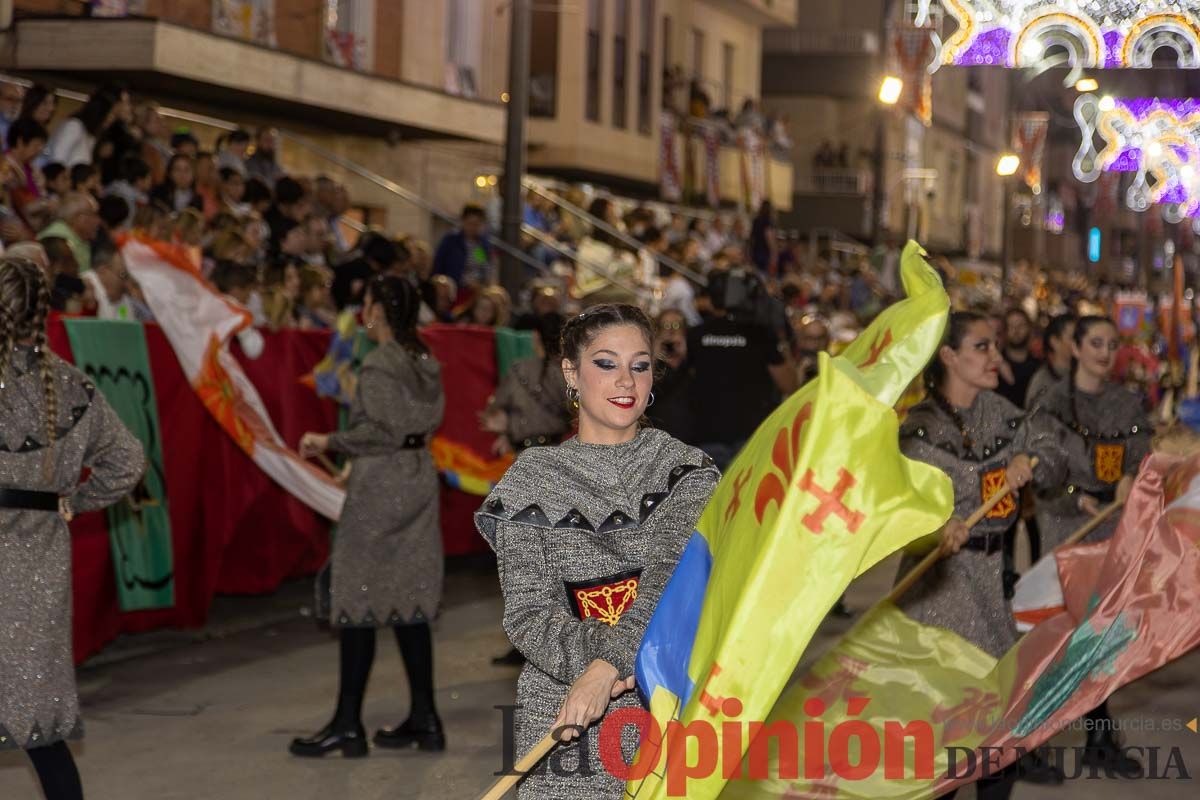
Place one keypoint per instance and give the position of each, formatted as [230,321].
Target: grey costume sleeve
[672,528]
[113,454]
[373,423]
[1045,438]
[543,630]
[1139,443]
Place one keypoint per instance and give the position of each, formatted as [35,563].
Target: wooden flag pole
[328,465]
[920,569]
[531,759]
[1092,523]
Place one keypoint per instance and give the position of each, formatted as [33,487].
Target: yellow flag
[819,494]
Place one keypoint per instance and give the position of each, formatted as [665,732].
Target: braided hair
[935,373]
[24,306]
[401,304]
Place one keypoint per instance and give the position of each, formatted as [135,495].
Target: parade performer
[529,409]
[387,564]
[1108,435]
[53,423]
[586,536]
[981,441]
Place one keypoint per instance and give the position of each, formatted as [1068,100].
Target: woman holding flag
[983,442]
[386,566]
[53,423]
[586,536]
[1108,436]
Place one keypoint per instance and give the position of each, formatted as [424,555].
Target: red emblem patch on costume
[605,599]
[992,481]
[1110,462]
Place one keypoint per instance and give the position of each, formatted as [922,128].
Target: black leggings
[56,770]
[357,651]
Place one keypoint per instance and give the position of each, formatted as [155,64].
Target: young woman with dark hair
[53,423]
[386,567]
[1108,435]
[74,141]
[586,535]
[981,441]
[178,189]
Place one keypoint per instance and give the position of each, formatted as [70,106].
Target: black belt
[26,500]
[987,544]
[414,441]
[1106,496]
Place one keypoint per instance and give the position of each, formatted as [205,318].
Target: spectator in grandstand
[262,164]
[39,105]
[185,143]
[109,284]
[208,184]
[134,184]
[291,203]
[318,242]
[316,309]
[465,255]
[11,97]
[489,307]
[156,150]
[115,216]
[764,247]
[85,178]
[66,289]
[233,191]
[672,411]
[377,255]
[73,141]
[177,191]
[78,222]
[231,151]
[25,141]
[57,179]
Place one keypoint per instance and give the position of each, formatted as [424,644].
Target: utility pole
[511,270]
[878,184]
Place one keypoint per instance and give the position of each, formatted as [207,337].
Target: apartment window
[348,28]
[464,46]
[620,57]
[727,58]
[543,59]
[595,24]
[698,54]
[645,60]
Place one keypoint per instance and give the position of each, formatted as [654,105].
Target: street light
[1086,85]
[890,90]
[1008,165]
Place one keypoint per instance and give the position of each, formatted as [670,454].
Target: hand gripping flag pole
[920,569]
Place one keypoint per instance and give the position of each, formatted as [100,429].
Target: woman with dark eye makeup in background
[586,535]
[1108,435]
[981,441]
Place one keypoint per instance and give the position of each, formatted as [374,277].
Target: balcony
[781,41]
[835,181]
[175,61]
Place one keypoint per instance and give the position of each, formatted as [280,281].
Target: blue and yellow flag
[819,495]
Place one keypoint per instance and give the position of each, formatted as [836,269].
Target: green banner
[512,346]
[113,354]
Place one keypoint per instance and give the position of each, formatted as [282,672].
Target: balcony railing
[835,181]
[802,42]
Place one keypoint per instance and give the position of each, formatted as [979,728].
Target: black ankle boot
[351,741]
[1035,769]
[424,733]
[1102,750]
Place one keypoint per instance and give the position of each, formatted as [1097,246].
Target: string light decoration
[1095,33]
[1157,139]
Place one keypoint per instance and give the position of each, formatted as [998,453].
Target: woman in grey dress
[529,408]
[586,535]
[981,441]
[1108,435]
[387,564]
[53,423]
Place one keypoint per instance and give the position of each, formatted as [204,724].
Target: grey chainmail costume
[38,701]
[586,537]
[1108,439]
[964,592]
[533,396]
[387,563]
